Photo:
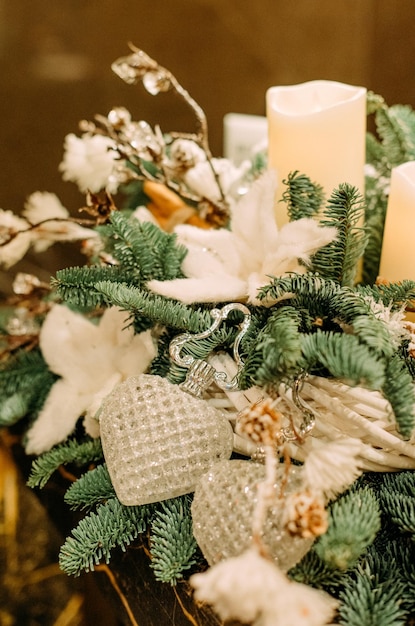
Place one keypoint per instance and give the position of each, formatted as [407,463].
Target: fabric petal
[253,217]
[57,420]
[64,340]
[209,289]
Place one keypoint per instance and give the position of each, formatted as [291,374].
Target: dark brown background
[55,69]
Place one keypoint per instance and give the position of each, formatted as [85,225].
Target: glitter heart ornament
[223,508]
[159,440]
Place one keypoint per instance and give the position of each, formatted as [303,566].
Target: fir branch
[313,571]
[396,128]
[25,381]
[157,308]
[91,488]
[338,260]
[173,546]
[399,389]
[76,285]
[305,291]
[153,253]
[344,357]
[353,524]
[367,602]
[395,295]
[401,510]
[400,482]
[276,354]
[71,451]
[302,197]
[113,525]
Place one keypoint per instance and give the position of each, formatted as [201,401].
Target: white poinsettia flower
[224,265]
[14,238]
[89,161]
[90,360]
[42,206]
[202,178]
[332,467]
[252,589]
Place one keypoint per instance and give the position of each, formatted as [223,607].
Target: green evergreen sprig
[98,533]
[303,197]
[71,451]
[91,488]
[344,357]
[276,354]
[354,522]
[173,546]
[156,308]
[76,285]
[396,127]
[146,249]
[399,389]
[339,259]
[25,381]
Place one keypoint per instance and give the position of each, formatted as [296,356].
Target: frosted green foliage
[91,488]
[157,308]
[276,354]
[343,357]
[76,285]
[173,546]
[398,388]
[25,382]
[376,593]
[311,570]
[395,295]
[367,602]
[72,451]
[338,260]
[146,249]
[398,501]
[396,128]
[97,534]
[302,197]
[353,525]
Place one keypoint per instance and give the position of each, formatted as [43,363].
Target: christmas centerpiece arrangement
[236,392]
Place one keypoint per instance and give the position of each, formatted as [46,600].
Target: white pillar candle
[319,129]
[397,262]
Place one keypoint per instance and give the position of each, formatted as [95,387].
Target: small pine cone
[261,422]
[304,515]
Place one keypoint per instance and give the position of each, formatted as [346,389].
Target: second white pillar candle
[319,129]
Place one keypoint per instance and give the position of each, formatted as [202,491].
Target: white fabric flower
[224,265]
[201,178]
[12,252]
[89,162]
[332,467]
[90,359]
[42,206]
[252,589]
[24,232]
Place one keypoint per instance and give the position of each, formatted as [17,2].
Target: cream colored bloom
[90,360]
[225,265]
[18,234]
[14,238]
[252,589]
[89,161]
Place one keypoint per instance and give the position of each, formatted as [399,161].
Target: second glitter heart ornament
[159,438]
